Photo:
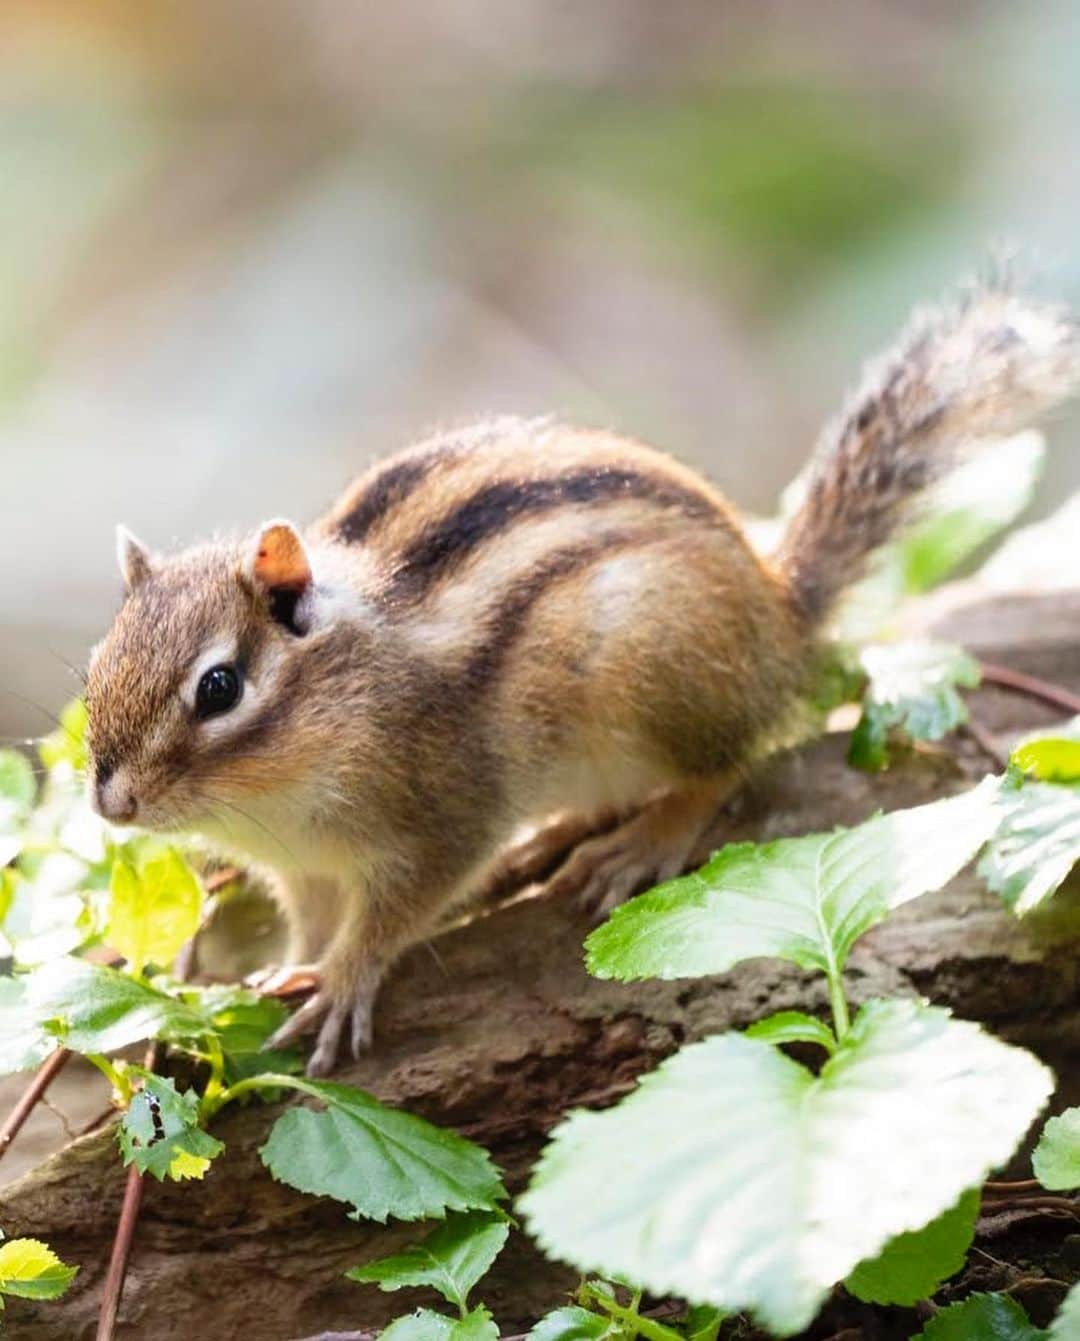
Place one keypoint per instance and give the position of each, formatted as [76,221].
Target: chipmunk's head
[193,695]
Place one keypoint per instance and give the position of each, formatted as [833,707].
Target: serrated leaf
[911,687]
[802,899]
[91,1008]
[426,1325]
[1066,1326]
[570,1324]
[67,744]
[793,1026]
[451,1259]
[982,1317]
[912,1266]
[31,1270]
[736,1177]
[23,1042]
[1056,1157]
[160,1132]
[1036,845]
[380,1160]
[155,909]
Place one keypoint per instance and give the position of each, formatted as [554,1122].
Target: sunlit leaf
[1036,845]
[451,1259]
[735,1176]
[155,909]
[802,899]
[160,1132]
[18,787]
[378,1159]
[91,1008]
[912,1266]
[23,1042]
[31,1270]
[1056,1157]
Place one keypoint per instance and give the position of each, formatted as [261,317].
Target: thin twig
[47,1072]
[125,1232]
[1009,1189]
[1053,695]
[985,741]
[995,1205]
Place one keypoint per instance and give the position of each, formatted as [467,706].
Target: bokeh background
[248,246]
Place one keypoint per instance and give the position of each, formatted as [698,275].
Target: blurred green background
[247,246]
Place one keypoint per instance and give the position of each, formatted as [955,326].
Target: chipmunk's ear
[280,568]
[133,558]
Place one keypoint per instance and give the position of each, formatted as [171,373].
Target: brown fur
[503,623]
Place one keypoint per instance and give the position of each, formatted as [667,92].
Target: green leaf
[160,1132]
[911,687]
[380,1160]
[792,1026]
[736,1177]
[1066,1326]
[983,1317]
[451,1259]
[425,1325]
[23,1042]
[18,787]
[1036,845]
[91,1008]
[1056,1157]
[67,744]
[1049,758]
[31,1270]
[571,1324]
[243,1021]
[155,909]
[803,899]
[913,1265]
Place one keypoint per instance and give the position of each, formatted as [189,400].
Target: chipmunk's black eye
[218,691]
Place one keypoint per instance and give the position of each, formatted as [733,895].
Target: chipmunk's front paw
[333,1018]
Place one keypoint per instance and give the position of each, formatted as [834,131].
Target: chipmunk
[506,623]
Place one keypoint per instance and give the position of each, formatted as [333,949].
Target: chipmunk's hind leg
[659,842]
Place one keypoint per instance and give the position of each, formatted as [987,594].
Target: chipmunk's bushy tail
[980,369]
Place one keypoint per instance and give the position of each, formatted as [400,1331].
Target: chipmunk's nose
[112,795]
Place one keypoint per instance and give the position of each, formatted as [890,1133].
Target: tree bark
[497,1030]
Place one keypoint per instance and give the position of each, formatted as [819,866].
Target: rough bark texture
[500,1030]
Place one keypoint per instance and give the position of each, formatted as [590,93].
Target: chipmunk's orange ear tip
[133,558]
[280,559]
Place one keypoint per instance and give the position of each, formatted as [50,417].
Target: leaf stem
[267,1080]
[655,1331]
[114,1075]
[838,1002]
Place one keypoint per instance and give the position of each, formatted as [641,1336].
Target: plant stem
[268,1080]
[125,1226]
[47,1072]
[838,1001]
[113,1075]
[655,1331]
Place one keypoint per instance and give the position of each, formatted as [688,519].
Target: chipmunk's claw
[331,1018]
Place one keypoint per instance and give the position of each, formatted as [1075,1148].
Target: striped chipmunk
[506,625]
